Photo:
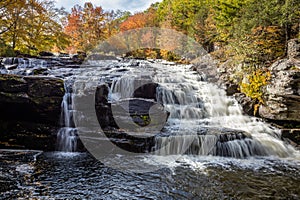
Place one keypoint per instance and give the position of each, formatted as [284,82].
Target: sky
[128,5]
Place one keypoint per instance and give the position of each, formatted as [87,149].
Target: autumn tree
[31,26]
[114,20]
[86,26]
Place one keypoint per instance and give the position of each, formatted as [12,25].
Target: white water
[193,104]
[67,135]
[204,104]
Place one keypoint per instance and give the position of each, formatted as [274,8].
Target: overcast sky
[130,5]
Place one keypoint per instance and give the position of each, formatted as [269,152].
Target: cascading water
[194,104]
[67,135]
[202,121]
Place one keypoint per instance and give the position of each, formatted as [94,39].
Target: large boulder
[206,66]
[30,111]
[292,136]
[31,98]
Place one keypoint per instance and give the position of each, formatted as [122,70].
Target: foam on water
[192,102]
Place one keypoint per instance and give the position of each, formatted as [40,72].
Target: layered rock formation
[282,95]
[30,111]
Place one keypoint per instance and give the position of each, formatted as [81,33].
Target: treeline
[88,25]
[244,30]
[249,30]
[30,26]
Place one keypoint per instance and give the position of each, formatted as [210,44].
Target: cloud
[130,5]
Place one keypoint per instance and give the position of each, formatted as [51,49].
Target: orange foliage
[133,22]
[85,26]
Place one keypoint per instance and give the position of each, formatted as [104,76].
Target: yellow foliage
[253,88]
[256,81]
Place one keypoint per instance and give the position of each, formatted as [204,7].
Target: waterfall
[194,104]
[202,120]
[67,135]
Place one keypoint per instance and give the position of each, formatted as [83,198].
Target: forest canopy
[255,31]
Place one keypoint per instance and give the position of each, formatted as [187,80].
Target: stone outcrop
[294,49]
[282,95]
[30,110]
[206,66]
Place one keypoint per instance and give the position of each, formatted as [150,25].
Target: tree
[31,25]
[114,20]
[86,26]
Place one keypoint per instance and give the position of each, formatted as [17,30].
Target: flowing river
[207,149]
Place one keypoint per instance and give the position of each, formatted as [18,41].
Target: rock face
[294,49]
[207,67]
[282,97]
[30,110]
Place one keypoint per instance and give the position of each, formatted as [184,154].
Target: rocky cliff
[282,95]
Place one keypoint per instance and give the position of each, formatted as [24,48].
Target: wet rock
[143,113]
[246,102]
[30,109]
[103,108]
[27,135]
[12,83]
[46,53]
[39,86]
[146,91]
[10,61]
[39,71]
[31,98]
[292,136]
[11,67]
